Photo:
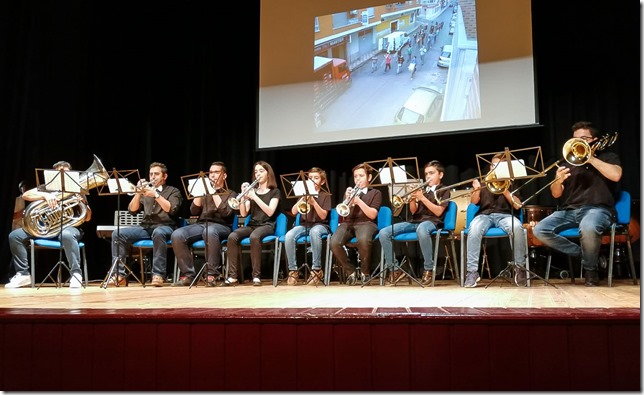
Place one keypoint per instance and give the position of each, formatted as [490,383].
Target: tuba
[42,221]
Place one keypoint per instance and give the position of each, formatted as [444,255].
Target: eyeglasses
[586,138]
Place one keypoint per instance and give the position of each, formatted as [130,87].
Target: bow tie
[363,191]
[430,189]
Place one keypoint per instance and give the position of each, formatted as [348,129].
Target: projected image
[395,67]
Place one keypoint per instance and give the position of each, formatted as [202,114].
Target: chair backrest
[450,216]
[623,207]
[384,217]
[281,225]
[235,222]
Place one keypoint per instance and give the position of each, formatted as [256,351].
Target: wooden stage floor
[370,299]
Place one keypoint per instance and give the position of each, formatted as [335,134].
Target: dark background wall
[136,82]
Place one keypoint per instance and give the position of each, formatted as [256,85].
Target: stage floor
[403,296]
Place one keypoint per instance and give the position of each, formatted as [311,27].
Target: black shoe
[183,282]
[592,278]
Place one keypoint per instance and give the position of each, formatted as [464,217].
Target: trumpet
[343,208]
[141,188]
[234,202]
[303,205]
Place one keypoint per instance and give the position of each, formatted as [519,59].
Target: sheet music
[502,169]
[196,187]
[400,175]
[53,181]
[126,185]
[298,188]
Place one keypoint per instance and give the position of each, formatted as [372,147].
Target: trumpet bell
[343,209]
[303,207]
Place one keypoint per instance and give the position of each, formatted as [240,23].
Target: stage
[403,337]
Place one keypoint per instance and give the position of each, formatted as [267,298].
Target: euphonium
[42,221]
[343,208]
[234,202]
[303,206]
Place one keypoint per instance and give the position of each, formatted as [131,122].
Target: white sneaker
[19,280]
[76,281]
[257,281]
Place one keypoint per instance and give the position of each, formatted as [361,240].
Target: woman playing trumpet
[261,204]
[314,212]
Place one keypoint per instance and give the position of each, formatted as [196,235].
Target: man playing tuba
[19,238]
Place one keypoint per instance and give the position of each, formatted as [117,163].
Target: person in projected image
[213,225]
[427,216]
[313,223]
[587,201]
[261,201]
[360,212]
[495,210]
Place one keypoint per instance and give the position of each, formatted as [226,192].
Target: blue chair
[620,227]
[270,241]
[446,232]
[492,233]
[306,241]
[51,244]
[384,219]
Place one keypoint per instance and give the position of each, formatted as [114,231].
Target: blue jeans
[316,233]
[122,245]
[184,237]
[19,239]
[591,221]
[423,232]
[481,224]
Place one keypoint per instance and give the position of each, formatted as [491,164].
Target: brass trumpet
[343,208]
[303,206]
[141,188]
[234,202]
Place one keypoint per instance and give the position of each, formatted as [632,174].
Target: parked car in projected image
[445,58]
[424,105]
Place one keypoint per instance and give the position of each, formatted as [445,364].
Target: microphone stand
[202,272]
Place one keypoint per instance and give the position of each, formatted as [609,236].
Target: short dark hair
[585,125]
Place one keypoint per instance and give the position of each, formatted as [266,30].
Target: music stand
[61,182]
[199,185]
[300,188]
[512,169]
[393,173]
[118,184]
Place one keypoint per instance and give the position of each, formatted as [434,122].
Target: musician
[70,236]
[427,216]
[213,225]
[364,203]
[495,210]
[19,207]
[262,204]
[160,204]
[587,201]
[314,223]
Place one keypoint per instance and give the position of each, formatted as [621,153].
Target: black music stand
[512,170]
[393,173]
[301,188]
[118,184]
[199,185]
[63,182]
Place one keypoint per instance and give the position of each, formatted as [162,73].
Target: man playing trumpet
[314,212]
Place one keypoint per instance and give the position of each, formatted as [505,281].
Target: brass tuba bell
[42,221]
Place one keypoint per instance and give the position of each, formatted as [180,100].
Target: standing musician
[495,209]
[213,225]
[314,223]
[363,204]
[427,215]
[587,195]
[160,204]
[70,236]
[262,205]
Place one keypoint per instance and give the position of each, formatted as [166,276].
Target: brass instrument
[577,152]
[399,201]
[490,181]
[40,220]
[234,202]
[141,188]
[303,205]
[343,208]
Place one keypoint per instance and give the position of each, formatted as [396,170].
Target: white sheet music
[196,187]
[298,188]
[53,181]
[502,169]
[400,175]
[126,185]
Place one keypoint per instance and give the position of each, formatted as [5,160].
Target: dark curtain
[177,82]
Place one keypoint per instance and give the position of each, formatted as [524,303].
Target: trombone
[577,152]
[490,181]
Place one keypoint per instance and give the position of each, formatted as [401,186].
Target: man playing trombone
[314,212]
[427,215]
[495,209]
[213,225]
[587,195]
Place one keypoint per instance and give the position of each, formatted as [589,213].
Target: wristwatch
[156,194]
